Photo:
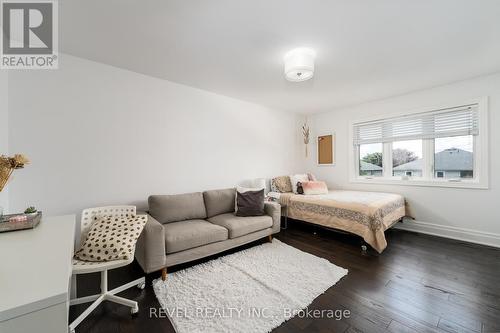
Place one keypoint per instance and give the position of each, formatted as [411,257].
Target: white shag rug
[254,290]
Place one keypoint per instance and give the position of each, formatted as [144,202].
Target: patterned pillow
[281,184]
[112,238]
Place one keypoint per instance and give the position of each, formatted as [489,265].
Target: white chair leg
[85,313]
[104,281]
[85,299]
[106,295]
[128,285]
[123,301]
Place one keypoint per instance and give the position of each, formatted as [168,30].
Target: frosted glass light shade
[299,64]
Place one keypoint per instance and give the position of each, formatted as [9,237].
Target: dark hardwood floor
[419,283]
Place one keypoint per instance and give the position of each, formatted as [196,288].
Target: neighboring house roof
[365,166]
[411,166]
[452,159]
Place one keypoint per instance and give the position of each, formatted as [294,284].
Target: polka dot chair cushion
[112,238]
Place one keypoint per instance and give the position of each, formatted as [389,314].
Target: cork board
[326,149]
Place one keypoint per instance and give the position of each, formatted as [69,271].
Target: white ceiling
[366,49]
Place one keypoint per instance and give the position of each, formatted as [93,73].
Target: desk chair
[84,267]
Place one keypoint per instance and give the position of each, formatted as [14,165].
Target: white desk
[35,273]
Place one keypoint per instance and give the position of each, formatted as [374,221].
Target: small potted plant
[31,211]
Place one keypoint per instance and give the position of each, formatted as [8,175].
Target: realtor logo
[29,34]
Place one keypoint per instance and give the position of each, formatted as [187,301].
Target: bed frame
[364,245]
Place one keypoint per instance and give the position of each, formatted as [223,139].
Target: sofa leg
[270,238]
[164,273]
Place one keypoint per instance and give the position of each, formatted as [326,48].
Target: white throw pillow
[294,179]
[260,183]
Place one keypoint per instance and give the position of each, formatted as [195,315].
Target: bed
[366,214]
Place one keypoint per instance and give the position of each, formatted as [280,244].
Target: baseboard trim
[462,234]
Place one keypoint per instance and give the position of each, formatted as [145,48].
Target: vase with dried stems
[7,167]
[305,134]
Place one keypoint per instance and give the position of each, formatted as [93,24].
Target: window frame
[481,158]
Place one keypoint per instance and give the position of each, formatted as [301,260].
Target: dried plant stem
[8,165]
[305,133]
[5,179]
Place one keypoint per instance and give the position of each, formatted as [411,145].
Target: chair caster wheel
[141,285]
[71,331]
[134,311]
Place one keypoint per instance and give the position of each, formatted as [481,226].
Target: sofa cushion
[240,226]
[177,207]
[219,201]
[188,234]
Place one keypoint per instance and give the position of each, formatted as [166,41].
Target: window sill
[420,182]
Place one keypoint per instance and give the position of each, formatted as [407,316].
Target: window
[444,147]
[407,158]
[454,157]
[371,160]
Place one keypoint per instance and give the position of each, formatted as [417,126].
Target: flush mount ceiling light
[299,64]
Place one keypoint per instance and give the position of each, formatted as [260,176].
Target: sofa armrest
[150,248]
[273,209]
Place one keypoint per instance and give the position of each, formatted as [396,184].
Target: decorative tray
[31,222]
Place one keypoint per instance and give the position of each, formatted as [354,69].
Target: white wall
[4,117]
[99,135]
[458,213]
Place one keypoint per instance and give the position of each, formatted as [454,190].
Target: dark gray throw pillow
[250,203]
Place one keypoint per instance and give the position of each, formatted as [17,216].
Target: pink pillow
[314,187]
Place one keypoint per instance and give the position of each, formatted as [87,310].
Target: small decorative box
[15,222]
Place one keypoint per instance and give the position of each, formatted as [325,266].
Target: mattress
[366,214]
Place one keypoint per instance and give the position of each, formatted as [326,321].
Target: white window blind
[457,121]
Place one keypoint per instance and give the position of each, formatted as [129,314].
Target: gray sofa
[187,227]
